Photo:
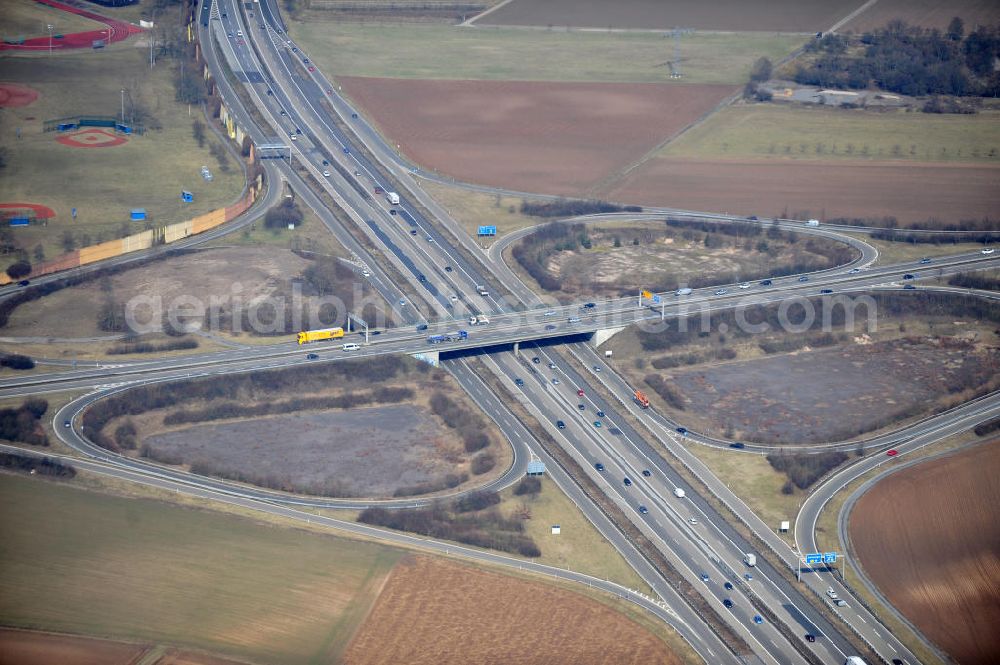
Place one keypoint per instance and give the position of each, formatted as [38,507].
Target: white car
[351,346]
[745,285]
[692,520]
[326,174]
[988,250]
[721,292]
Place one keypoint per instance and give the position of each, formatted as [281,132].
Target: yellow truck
[317,335]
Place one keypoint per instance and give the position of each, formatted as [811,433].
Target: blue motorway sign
[814,558]
[829,557]
[656,299]
[487,230]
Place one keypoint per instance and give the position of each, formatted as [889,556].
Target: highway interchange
[690,531]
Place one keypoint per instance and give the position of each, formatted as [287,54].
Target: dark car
[519,382]
[727,602]
[326,162]
[646,473]
[550,327]
[536,360]
[599,466]
[354,115]
[447,268]
[589,305]
[826,290]
[682,430]
[413,232]
[907,276]
[766,282]
[560,424]
[66,423]
[24,282]
[810,637]
[347,150]
[422,326]
[305,60]
[582,407]
[909,287]
[752,218]
[728,586]
[392,211]
[737,445]
[312,356]
[628,482]
[643,509]
[421,277]
[600,414]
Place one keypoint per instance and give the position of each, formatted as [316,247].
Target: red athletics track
[41,212]
[117,31]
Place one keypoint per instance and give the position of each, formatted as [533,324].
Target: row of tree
[467,423]
[43,466]
[573,208]
[804,469]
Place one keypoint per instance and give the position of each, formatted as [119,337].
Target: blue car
[758,619]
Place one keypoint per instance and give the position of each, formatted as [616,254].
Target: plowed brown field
[929,538]
[552,138]
[763,15]
[20,647]
[433,612]
[910,191]
[927,13]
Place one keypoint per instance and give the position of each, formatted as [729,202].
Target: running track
[117,31]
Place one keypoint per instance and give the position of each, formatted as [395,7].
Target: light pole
[123,106]
[50,26]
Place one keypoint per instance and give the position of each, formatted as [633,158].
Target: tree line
[906,59]
[573,208]
[804,469]
[467,423]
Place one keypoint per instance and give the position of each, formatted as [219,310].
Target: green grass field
[473,209]
[103,184]
[772,131]
[579,546]
[24,18]
[447,52]
[82,562]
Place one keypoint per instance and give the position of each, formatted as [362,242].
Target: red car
[892,453]
[579,392]
[311,68]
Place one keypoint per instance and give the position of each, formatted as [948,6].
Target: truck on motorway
[678,492]
[392,197]
[480,320]
[317,335]
[641,399]
[684,292]
[448,337]
[812,222]
[482,290]
[750,559]
[855,660]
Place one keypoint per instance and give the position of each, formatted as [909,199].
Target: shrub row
[988,427]
[669,393]
[22,424]
[17,361]
[975,281]
[468,424]
[43,466]
[151,347]
[804,469]
[229,409]
[447,482]
[573,208]
[482,528]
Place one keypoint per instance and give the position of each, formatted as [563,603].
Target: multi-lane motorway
[346,160]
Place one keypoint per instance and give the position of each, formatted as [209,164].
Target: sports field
[756,15]
[26,18]
[81,562]
[104,182]
[449,52]
[782,132]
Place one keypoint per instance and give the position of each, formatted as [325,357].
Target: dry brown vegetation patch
[555,138]
[433,611]
[929,538]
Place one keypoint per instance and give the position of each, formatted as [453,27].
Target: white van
[351,346]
